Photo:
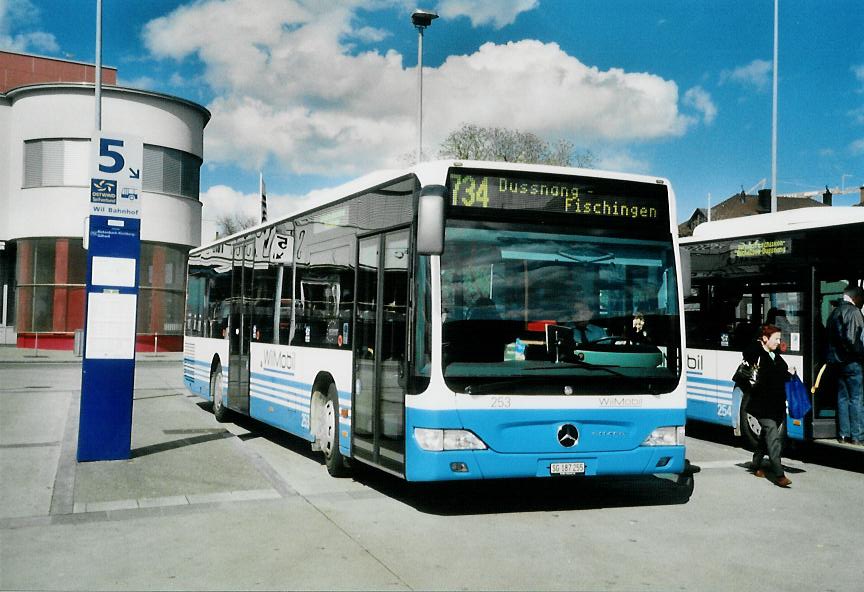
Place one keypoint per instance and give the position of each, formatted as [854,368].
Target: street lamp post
[774,111]
[98,78]
[420,19]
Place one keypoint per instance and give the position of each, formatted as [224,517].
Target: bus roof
[428,172]
[776,222]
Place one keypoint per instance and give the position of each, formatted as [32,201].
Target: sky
[314,93]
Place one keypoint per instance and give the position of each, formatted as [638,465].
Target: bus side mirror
[430,220]
[685,271]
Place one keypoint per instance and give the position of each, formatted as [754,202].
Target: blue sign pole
[113,261]
[108,367]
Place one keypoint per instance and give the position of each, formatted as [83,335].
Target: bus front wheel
[327,430]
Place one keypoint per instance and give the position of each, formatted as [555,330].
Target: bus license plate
[567,468]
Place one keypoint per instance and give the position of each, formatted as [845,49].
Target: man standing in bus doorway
[768,402]
[846,357]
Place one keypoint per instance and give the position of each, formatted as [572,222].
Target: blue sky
[317,92]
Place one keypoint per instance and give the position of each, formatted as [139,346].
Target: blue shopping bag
[797,397]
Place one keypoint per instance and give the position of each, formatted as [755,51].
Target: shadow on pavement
[532,495]
[494,496]
[846,459]
[217,434]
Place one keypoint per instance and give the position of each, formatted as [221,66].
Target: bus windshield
[539,301]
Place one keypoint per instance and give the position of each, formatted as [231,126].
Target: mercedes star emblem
[568,435]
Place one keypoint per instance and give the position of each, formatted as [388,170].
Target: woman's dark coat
[768,395]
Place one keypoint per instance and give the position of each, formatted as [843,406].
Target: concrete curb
[15,355]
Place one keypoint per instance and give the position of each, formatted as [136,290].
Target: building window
[51,289]
[51,285]
[171,171]
[66,162]
[161,289]
[56,162]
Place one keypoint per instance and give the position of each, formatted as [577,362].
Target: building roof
[778,222]
[21,91]
[740,205]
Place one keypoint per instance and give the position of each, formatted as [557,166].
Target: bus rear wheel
[217,394]
[327,430]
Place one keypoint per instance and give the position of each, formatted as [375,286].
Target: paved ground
[202,505]
[88,526]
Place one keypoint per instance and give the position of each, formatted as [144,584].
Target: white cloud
[621,160]
[755,75]
[23,13]
[220,200]
[144,82]
[857,147]
[482,12]
[536,86]
[34,42]
[370,34]
[291,90]
[698,98]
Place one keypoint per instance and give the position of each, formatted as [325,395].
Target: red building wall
[18,69]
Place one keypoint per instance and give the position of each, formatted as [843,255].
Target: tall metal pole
[99,65]
[774,113]
[419,94]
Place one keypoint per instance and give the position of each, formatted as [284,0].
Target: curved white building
[45,132]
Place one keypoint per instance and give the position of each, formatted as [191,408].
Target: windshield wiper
[576,363]
[483,388]
[489,387]
[652,387]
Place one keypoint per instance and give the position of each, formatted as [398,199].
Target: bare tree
[473,142]
[585,160]
[229,223]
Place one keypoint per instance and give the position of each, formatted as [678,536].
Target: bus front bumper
[423,465]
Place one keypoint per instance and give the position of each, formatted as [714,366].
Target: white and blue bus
[422,322]
[784,268]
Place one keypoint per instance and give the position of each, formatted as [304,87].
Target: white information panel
[111,326]
[113,271]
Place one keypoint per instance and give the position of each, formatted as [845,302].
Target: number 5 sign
[116,161]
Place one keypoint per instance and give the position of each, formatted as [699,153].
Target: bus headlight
[666,436]
[438,440]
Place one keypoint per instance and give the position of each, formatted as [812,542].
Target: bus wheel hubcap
[217,391]
[754,424]
[328,428]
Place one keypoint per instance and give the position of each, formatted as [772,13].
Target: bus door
[380,354]
[240,326]
[828,292]
[728,327]
[785,305]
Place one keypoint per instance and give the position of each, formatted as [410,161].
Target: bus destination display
[592,198]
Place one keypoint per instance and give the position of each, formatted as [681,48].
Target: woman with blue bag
[768,402]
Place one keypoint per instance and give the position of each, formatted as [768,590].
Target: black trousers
[770,443]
